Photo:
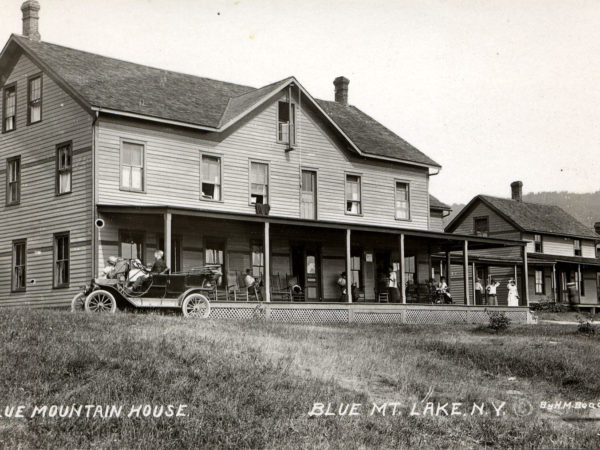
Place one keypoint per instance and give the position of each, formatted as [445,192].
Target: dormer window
[34,100]
[286,128]
[9,121]
[537,239]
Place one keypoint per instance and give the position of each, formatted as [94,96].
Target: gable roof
[531,217]
[434,203]
[118,86]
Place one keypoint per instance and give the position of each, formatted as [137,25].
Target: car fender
[195,290]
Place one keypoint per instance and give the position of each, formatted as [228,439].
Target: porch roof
[541,258]
[452,241]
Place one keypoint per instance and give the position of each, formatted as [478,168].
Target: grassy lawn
[252,384]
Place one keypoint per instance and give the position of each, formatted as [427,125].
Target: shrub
[498,321]
[549,306]
[586,327]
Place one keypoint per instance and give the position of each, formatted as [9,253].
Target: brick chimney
[341,90]
[516,188]
[31,17]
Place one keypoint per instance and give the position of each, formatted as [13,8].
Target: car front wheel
[196,305]
[100,302]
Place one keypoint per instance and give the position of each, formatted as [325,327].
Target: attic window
[34,100]
[284,127]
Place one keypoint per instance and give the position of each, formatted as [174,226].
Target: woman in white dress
[513,294]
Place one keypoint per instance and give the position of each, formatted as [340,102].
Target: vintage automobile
[187,291]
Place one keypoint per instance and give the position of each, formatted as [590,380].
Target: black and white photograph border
[278,224]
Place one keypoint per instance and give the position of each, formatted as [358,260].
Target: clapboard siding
[173,160]
[436,221]
[41,213]
[563,246]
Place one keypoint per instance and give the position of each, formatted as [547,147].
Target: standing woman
[513,293]
[393,285]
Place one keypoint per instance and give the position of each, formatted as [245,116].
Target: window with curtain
[353,200]
[34,102]
[10,108]
[211,177]
[19,270]
[132,166]
[539,281]
[402,201]
[259,183]
[64,168]
[13,180]
[61,260]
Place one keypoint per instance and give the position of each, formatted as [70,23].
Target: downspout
[94,211]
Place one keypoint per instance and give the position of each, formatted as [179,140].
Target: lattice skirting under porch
[363,314]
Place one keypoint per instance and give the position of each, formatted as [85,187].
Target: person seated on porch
[342,282]
[513,293]
[158,267]
[442,289]
[491,292]
[252,285]
[478,292]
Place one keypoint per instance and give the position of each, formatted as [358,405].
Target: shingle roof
[434,203]
[535,217]
[134,88]
[370,136]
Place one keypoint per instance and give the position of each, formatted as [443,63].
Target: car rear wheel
[78,302]
[196,305]
[100,302]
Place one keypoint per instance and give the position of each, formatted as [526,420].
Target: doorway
[306,268]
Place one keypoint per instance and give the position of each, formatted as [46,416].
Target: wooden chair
[279,287]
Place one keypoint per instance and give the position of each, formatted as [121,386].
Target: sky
[494,91]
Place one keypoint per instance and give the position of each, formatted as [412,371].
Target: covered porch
[296,261]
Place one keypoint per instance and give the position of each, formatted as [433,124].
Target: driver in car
[158,266]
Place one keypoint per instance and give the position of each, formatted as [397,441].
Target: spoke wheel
[78,302]
[100,302]
[196,305]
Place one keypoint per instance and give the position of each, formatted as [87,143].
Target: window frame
[121,149]
[220,158]
[408,202]
[29,80]
[360,192]
[8,182]
[536,242]
[55,283]
[4,117]
[316,207]
[13,266]
[268,164]
[487,221]
[541,283]
[59,147]
[260,244]
[294,128]
[577,250]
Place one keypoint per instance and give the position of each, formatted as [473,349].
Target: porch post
[348,267]
[580,282]
[402,272]
[555,287]
[474,274]
[267,249]
[167,239]
[448,268]
[525,283]
[466,270]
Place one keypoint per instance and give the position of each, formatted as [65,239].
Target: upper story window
[34,99]
[62,257]
[64,168]
[402,201]
[211,177]
[481,226]
[577,247]
[259,183]
[286,123]
[9,115]
[538,243]
[13,180]
[132,166]
[353,195]
[19,265]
